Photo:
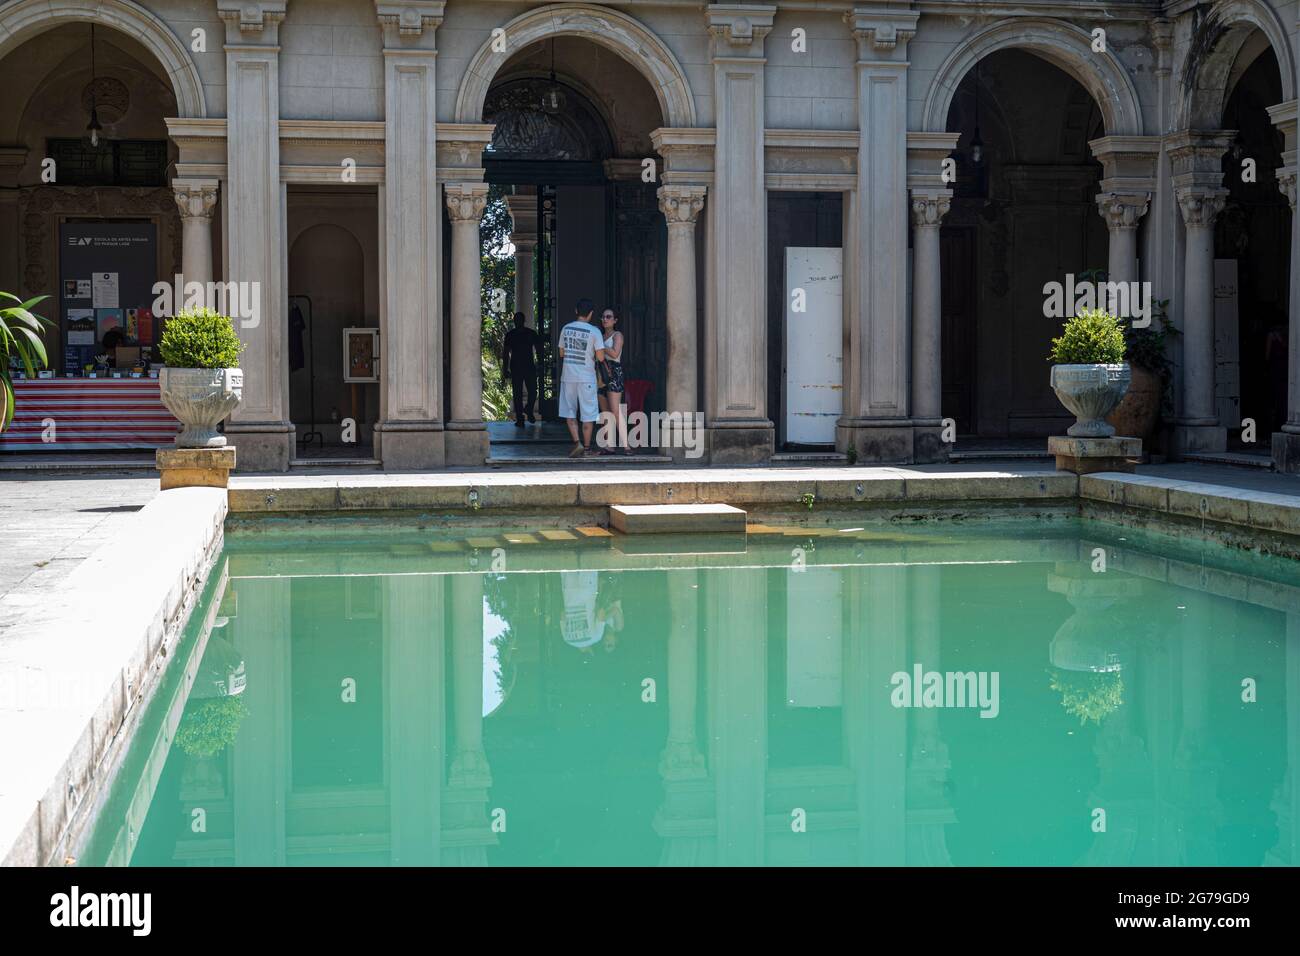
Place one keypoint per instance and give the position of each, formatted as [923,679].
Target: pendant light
[553,99]
[977,142]
[93,128]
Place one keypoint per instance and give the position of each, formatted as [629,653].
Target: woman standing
[610,392]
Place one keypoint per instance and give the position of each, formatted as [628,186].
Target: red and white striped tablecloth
[88,414]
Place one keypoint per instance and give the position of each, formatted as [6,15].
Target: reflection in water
[729,707]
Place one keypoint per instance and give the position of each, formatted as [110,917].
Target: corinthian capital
[1122,210]
[466,201]
[929,207]
[1200,205]
[681,204]
[195,198]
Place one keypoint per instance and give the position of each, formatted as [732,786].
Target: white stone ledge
[1260,510]
[82,665]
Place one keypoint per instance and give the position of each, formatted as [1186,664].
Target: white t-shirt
[580,627]
[580,340]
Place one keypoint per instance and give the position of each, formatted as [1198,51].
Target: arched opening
[569,216]
[1253,253]
[1023,213]
[90,222]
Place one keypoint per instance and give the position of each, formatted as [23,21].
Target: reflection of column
[414,693]
[409,433]
[875,731]
[260,757]
[929,206]
[1286,803]
[681,207]
[1196,761]
[255,201]
[1198,185]
[1122,213]
[681,757]
[736,649]
[928,811]
[466,436]
[469,767]
[736,348]
[196,199]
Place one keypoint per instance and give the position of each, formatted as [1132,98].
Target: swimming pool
[1057,692]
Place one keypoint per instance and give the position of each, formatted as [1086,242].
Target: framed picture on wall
[360,355]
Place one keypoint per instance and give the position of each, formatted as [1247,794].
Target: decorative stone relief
[681,204]
[466,201]
[929,210]
[1122,211]
[1200,206]
[195,200]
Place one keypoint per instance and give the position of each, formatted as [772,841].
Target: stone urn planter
[1090,392]
[201,398]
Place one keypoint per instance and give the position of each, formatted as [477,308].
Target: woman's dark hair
[610,308]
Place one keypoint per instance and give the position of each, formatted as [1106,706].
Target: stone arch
[616,31]
[23,19]
[1217,40]
[1061,44]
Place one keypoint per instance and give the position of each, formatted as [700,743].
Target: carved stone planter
[1091,392]
[201,398]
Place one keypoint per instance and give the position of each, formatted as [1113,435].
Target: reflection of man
[522,345]
[582,627]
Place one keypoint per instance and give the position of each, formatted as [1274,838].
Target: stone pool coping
[75,676]
[76,673]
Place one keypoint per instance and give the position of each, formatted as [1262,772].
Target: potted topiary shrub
[202,382]
[1149,394]
[1089,375]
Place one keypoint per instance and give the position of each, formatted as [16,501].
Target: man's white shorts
[578,397]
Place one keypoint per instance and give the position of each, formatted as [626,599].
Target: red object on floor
[88,414]
[635,392]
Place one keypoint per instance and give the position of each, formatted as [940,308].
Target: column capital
[681,204]
[1286,179]
[523,215]
[1200,205]
[195,198]
[466,201]
[738,29]
[524,244]
[929,206]
[252,22]
[1198,153]
[1122,210]
[881,32]
[409,23]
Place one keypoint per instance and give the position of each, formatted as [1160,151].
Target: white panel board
[814,638]
[814,324]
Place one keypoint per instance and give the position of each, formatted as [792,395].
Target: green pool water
[1051,692]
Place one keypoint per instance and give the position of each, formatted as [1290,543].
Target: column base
[1190,439]
[746,444]
[928,446]
[876,442]
[263,446]
[1286,452]
[410,446]
[467,444]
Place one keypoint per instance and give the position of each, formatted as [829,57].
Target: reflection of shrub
[209,726]
[1089,695]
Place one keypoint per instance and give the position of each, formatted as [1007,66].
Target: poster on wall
[361,355]
[109,268]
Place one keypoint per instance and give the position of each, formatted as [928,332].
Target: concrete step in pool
[668,519]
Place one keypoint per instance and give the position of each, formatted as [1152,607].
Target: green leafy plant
[851,454]
[1093,337]
[200,338]
[808,499]
[210,726]
[1089,695]
[20,337]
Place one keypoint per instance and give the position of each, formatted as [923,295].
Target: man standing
[581,347]
[521,345]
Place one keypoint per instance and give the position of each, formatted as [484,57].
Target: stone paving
[51,522]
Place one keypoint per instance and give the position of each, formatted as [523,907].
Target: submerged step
[664,519]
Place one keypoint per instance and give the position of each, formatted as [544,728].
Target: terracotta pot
[1138,412]
[201,398]
[1091,392]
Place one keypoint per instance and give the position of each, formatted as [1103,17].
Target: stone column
[1286,443]
[260,426]
[196,199]
[877,421]
[739,429]
[523,217]
[681,207]
[929,206]
[1122,213]
[409,433]
[467,442]
[1196,158]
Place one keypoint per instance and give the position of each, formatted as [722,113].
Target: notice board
[107,271]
